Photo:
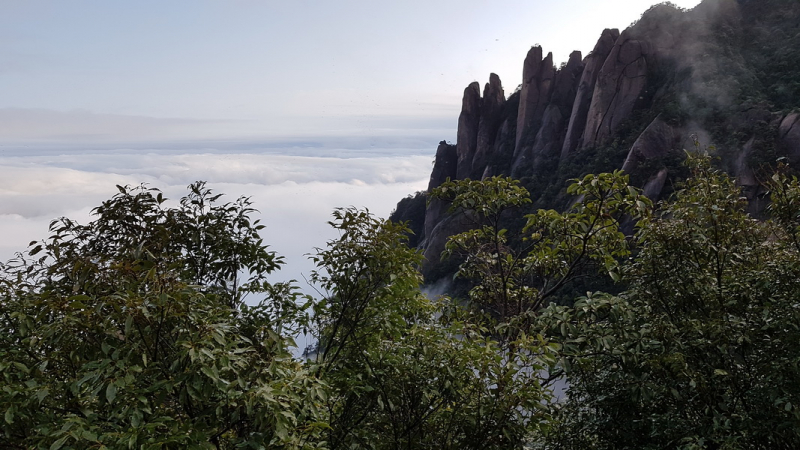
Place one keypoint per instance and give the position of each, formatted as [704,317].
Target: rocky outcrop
[547,144]
[619,86]
[673,74]
[490,121]
[468,123]
[444,167]
[745,176]
[583,97]
[503,146]
[657,140]
[789,135]
[537,82]
[566,82]
[437,239]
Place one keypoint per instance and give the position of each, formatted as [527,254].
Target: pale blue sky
[243,69]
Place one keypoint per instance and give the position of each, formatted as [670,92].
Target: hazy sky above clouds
[114,71]
[303,105]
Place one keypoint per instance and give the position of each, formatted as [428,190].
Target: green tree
[406,372]
[557,248]
[130,332]
[702,350]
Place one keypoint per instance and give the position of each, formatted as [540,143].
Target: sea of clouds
[294,188]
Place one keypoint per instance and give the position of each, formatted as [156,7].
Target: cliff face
[490,120]
[551,134]
[726,73]
[619,86]
[468,123]
[583,97]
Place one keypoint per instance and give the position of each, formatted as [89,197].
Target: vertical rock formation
[619,86]
[746,178]
[468,123]
[537,81]
[490,121]
[583,97]
[444,167]
[547,144]
[439,224]
[504,144]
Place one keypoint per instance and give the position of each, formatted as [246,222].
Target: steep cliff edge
[725,74]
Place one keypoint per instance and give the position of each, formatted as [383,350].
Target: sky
[302,105]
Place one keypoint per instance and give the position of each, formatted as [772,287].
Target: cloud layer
[294,194]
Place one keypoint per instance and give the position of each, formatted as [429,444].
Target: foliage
[370,284]
[701,351]
[489,259]
[401,377]
[129,332]
[205,243]
[559,247]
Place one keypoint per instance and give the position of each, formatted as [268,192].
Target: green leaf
[59,443]
[111,392]
[22,367]
[208,372]
[41,394]
[128,325]
[89,435]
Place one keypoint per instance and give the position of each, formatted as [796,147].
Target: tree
[702,350]
[557,249]
[406,372]
[130,332]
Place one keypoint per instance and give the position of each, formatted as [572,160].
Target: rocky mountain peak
[467,134]
[724,73]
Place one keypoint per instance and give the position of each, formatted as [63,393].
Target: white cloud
[68,173]
[294,194]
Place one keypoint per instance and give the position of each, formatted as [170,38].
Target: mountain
[723,77]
